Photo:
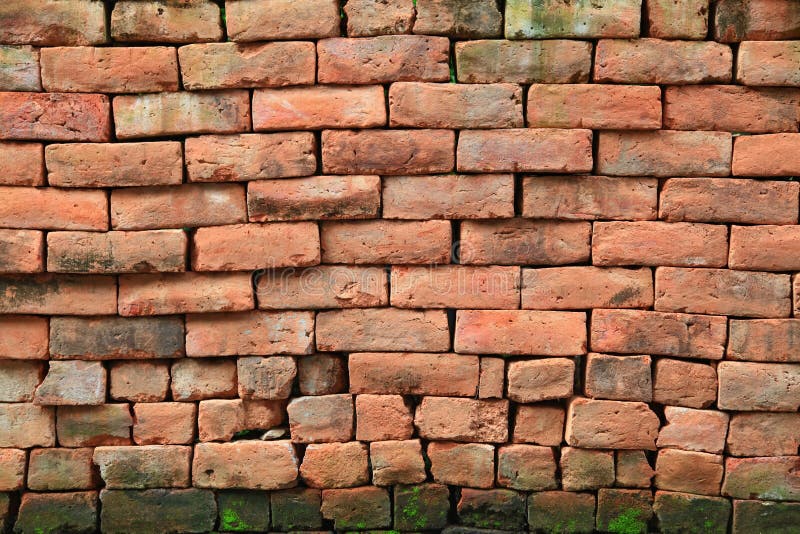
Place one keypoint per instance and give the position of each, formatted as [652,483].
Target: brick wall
[303,265]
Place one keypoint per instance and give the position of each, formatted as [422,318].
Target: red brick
[89,426]
[305,108]
[764,434]
[525,150]
[774,479]
[521,332]
[492,379]
[321,374]
[325,286]
[594,106]
[450,375]
[48,294]
[688,471]
[762,387]
[462,464]
[24,337]
[723,292]
[61,469]
[764,340]
[524,241]
[382,329]
[769,63]
[618,377]
[660,243]
[449,196]
[243,247]
[53,209]
[501,61]
[368,18]
[165,294]
[53,22]
[436,105]
[247,464]
[19,68]
[109,70]
[263,20]
[238,158]
[651,332]
[677,19]
[540,424]
[565,288]
[165,22]
[235,65]
[583,469]
[24,425]
[526,467]
[178,206]
[539,380]
[12,469]
[164,423]
[21,164]
[760,110]
[662,62]
[181,113]
[606,424]
[766,155]
[114,164]
[365,507]
[721,200]
[375,242]
[144,466]
[589,197]
[453,286]
[621,18]
[58,512]
[55,117]
[764,248]
[388,152]
[382,418]
[335,465]
[139,381]
[756,20]
[221,419]
[19,379]
[459,18]
[250,333]
[321,419]
[633,469]
[23,251]
[383,59]
[694,430]
[194,379]
[397,462]
[72,383]
[266,378]
[693,385]
[459,419]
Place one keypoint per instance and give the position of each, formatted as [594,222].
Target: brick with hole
[464,420]
[19,380]
[138,381]
[549,510]
[58,512]
[540,424]
[764,340]
[608,424]
[768,63]
[689,471]
[766,155]
[451,196]
[756,20]
[764,478]
[245,464]
[336,465]
[501,509]
[763,434]
[462,464]
[165,22]
[55,117]
[621,19]
[451,286]
[565,288]
[440,375]
[465,19]
[164,423]
[383,418]
[53,209]
[618,377]
[48,294]
[116,338]
[12,469]
[321,374]
[263,20]
[164,294]
[397,462]
[24,337]
[364,507]
[21,164]
[199,379]
[90,426]
[53,23]
[266,378]
[680,383]
[678,19]
[379,241]
[72,383]
[586,469]
[526,467]
[751,386]
[173,509]
[694,430]
[59,469]
[368,18]
[540,380]
[144,466]
[23,251]
[306,108]
[250,333]
[324,286]
[19,68]
[321,419]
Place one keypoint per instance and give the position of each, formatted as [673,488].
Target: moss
[627,523]
[230,521]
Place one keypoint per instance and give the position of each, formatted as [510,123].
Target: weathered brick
[662,62]
[254,333]
[357,508]
[109,70]
[89,426]
[22,251]
[539,380]
[241,509]
[454,286]
[633,469]
[263,20]
[523,332]
[752,516]
[144,466]
[723,292]
[397,462]
[178,206]
[19,68]
[764,248]
[49,294]
[138,381]
[462,464]
[693,385]
[449,196]
[376,242]
[526,467]
[492,378]
[21,164]
[198,379]
[764,434]
[766,155]
[524,241]
[24,425]
[466,19]
[53,22]
[526,19]
[525,150]
[55,117]
[659,243]
[181,113]
[457,106]
[114,164]
[761,110]
[565,288]
[550,510]
[72,383]
[266,378]
[460,419]
[607,424]
[768,63]
[585,469]
[12,469]
[57,512]
[368,18]
[383,418]
[61,469]
[296,509]
[222,419]
[325,286]
[321,374]
[24,337]
[764,340]
[774,478]
[305,108]
[336,465]
[386,329]
[747,386]
[178,510]
[694,430]
[677,19]
[19,379]
[450,375]
[500,509]
[388,152]
[115,338]
[756,20]
[235,65]
[321,419]
[501,61]
[166,21]
[689,471]
[238,158]
[541,424]
[618,377]
[383,59]
[425,506]
[164,423]
[53,209]
[625,107]
[165,294]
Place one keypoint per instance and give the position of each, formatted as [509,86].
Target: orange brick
[25,425]
[458,18]
[583,469]
[621,18]
[455,286]
[756,20]
[459,419]
[689,471]
[382,329]
[618,377]
[525,150]
[139,381]
[375,242]
[109,70]
[768,63]
[72,383]
[250,333]
[445,375]
[90,426]
[565,288]
[766,387]
[764,248]
[24,337]
[521,332]
[368,18]
[321,419]
[540,380]
[61,469]
[397,462]
[21,164]
[322,374]
[144,466]
[678,383]
[266,20]
[55,117]
[764,434]
[12,469]
[23,251]
[462,464]
[526,467]
[53,209]
[19,68]
[247,464]
[164,423]
[266,378]
[764,340]
[694,430]
[766,155]
[306,108]
[541,424]
[116,338]
[608,424]
[53,22]
[197,379]
[324,286]
[449,196]
[382,418]
[19,380]
[154,21]
[336,465]
[677,19]
[51,294]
